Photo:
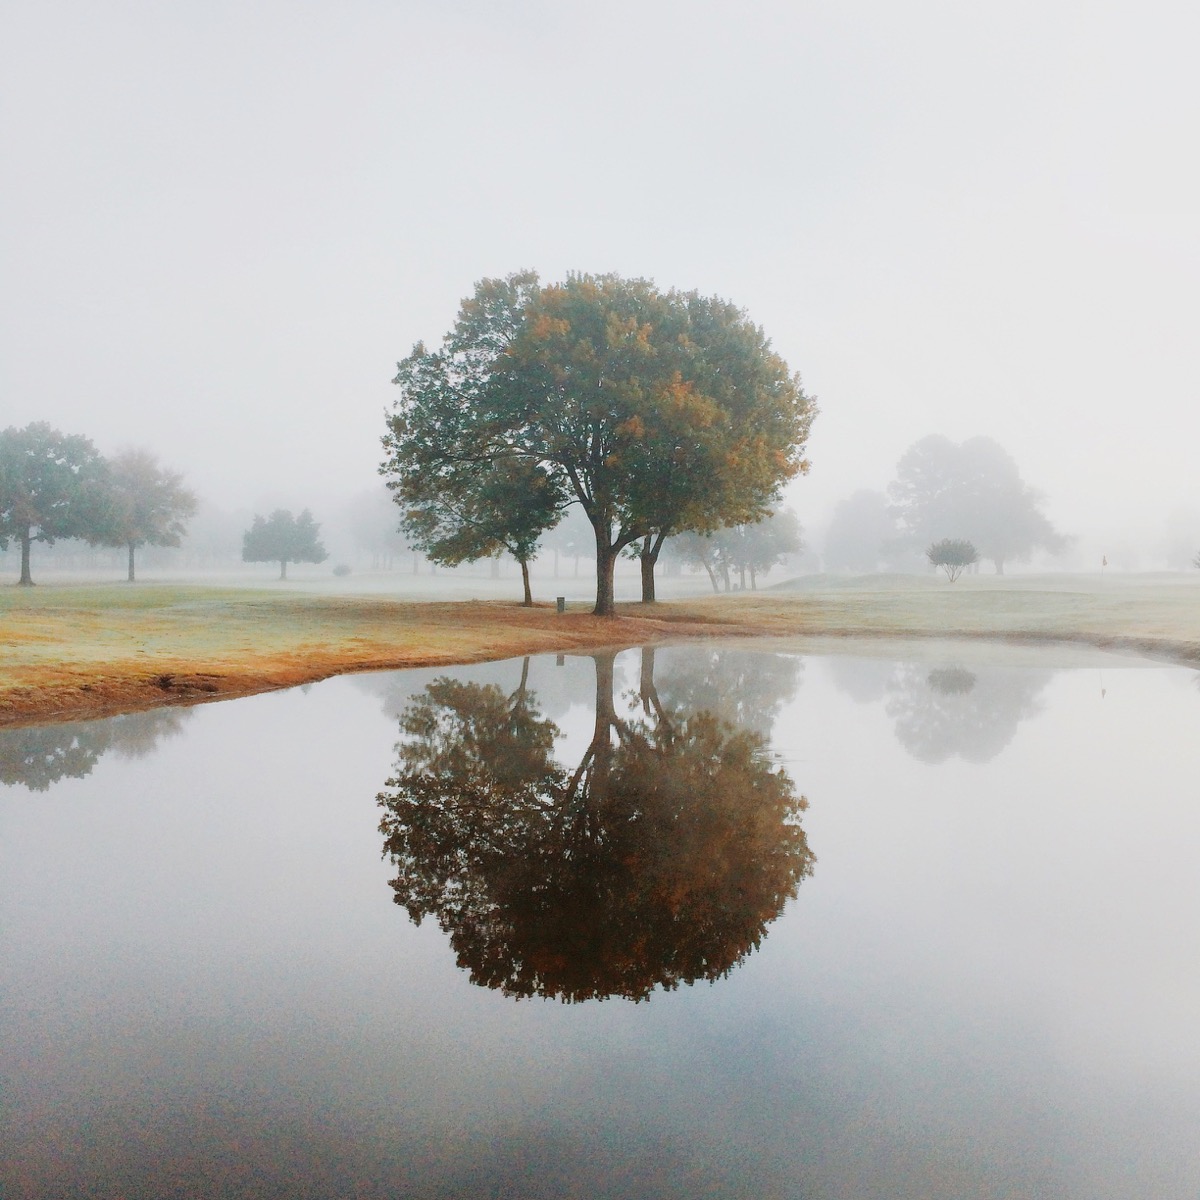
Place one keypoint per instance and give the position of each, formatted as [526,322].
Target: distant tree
[760,545]
[283,538]
[373,523]
[49,484]
[468,511]
[655,411]
[861,534]
[141,504]
[974,490]
[695,552]
[952,555]
[751,549]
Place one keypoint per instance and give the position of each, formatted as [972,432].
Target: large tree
[49,485]
[656,411]
[283,538]
[142,504]
[971,491]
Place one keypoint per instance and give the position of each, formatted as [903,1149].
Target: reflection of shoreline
[946,711]
[658,859]
[39,756]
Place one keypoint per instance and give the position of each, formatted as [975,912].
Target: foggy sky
[221,224]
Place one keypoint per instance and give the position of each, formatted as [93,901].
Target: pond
[722,919]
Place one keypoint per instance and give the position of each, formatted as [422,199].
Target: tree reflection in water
[946,711]
[659,859]
[41,755]
[746,688]
[952,711]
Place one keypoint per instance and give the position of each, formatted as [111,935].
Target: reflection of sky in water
[987,988]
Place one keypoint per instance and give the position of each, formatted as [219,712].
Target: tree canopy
[49,487]
[141,504]
[283,538]
[971,490]
[656,411]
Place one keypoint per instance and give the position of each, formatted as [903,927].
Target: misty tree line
[60,494]
[595,419]
[59,486]
[55,485]
[953,503]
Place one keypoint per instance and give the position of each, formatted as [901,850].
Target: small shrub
[952,555]
[341,570]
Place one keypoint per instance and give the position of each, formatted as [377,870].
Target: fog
[223,224]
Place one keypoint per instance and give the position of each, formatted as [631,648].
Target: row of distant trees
[944,491]
[55,485]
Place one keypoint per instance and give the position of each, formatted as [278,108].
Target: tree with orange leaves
[657,412]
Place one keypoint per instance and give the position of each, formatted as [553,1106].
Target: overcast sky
[221,224]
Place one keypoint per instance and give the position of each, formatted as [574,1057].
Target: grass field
[76,650]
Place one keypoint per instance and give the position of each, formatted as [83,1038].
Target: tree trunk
[606,562]
[647,565]
[26,579]
[646,683]
[525,581]
[130,579]
[606,718]
[753,579]
[712,575]
[283,568]
[999,566]
[651,546]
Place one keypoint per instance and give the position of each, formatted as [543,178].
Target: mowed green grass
[66,650]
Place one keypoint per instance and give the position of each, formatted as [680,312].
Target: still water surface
[895,926]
